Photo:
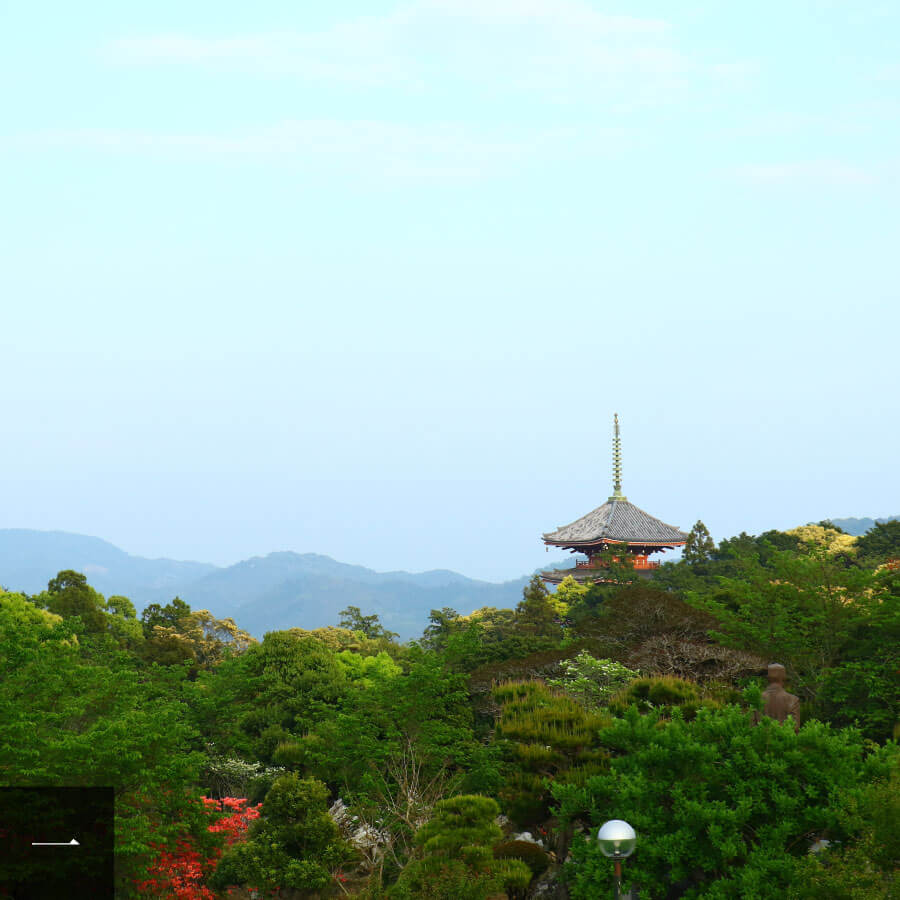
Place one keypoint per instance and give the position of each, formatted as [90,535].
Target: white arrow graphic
[72,843]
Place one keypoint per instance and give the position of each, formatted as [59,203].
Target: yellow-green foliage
[537,757]
[658,693]
[548,735]
[367,671]
[16,607]
[490,618]
[564,726]
[567,594]
[18,615]
[829,539]
[532,713]
[515,690]
[338,639]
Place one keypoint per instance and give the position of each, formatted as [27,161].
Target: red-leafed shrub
[181,873]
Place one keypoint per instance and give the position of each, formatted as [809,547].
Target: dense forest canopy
[478,760]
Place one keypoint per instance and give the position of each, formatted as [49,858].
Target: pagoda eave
[600,543]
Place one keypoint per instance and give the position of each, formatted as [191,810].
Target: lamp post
[617,839]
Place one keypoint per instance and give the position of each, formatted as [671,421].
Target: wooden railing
[638,563]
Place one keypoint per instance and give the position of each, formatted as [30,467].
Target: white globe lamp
[617,841]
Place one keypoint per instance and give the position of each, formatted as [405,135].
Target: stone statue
[778,704]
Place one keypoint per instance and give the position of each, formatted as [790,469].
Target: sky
[371,279]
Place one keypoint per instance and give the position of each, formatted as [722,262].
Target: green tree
[868,866]
[369,626]
[69,594]
[168,616]
[444,622]
[122,623]
[427,707]
[802,609]
[699,546]
[80,712]
[863,687]
[490,635]
[457,862]
[723,808]
[536,613]
[881,543]
[121,606]
[276,693]
[294,845]
[764,546]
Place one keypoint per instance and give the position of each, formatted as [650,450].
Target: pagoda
[617,525]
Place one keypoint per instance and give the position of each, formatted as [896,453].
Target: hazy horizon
[501,570]
[370,280]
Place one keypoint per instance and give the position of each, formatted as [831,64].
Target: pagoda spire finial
[617,461]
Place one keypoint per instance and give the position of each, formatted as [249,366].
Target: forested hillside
[477,760]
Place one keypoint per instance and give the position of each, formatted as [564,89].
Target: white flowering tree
[590,681]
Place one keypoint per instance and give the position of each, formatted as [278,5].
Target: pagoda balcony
[637,563]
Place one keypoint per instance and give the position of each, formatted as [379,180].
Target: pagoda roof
[616,521]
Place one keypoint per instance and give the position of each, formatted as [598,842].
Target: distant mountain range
[281,590]
[265,593]
[859,527]
[29,559]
